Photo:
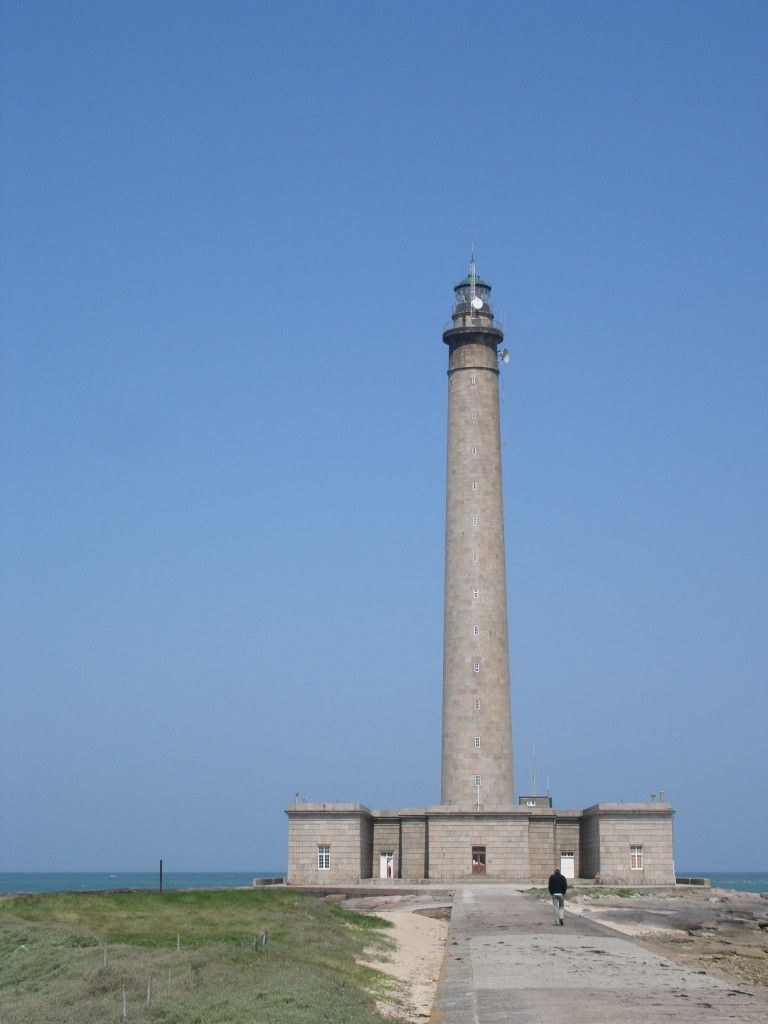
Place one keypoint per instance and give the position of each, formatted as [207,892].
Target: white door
[386,861]
[567,862]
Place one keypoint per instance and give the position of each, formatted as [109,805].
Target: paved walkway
[506,961]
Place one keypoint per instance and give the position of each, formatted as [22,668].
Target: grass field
[186,958]
[602,892]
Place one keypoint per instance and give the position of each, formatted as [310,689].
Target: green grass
[596,892]
[52,951]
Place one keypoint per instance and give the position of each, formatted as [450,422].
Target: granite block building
[477,829]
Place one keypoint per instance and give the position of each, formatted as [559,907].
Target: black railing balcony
[460,322]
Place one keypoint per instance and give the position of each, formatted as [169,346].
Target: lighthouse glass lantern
[468,290]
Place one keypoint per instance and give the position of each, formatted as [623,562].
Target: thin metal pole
[161,874]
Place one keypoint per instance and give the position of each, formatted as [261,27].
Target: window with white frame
[474,380]
[636,858]
[476,665]
[474,450]
[475,593]
[474,485]
[476,703]
[475,631]
[474,415]
[477,780]
[323,856]
[474,556]
[474,520]
[477,742]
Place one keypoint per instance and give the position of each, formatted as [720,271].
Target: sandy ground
[714,930]
[420,929]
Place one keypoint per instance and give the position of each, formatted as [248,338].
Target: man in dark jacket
[557,890]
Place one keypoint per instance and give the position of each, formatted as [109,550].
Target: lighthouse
[477,829]
[477,730]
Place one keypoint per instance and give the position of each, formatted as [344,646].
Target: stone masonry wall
[342,832]
[477,738]
[366,847]
[505,839]
[619,833]
[414,847]
[520,846]
[567,839]
[548,837]
[589,846]
[541,844]
[386,839]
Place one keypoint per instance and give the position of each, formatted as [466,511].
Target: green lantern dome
[479,283]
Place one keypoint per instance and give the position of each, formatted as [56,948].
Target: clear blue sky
[231,234]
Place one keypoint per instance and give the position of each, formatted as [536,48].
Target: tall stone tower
[477,730]
[347,843]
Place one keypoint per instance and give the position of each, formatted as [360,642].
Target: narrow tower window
[474,556]
[474,415]
[476,703]
[474,485]
[474,451]
[477,742]
[476,666]
[474,380]
[475,593]
[474,520]
[476,631]
[477,780]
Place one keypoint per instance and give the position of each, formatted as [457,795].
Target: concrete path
[506,961]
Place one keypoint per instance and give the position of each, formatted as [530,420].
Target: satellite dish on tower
[505,355]
[477,302]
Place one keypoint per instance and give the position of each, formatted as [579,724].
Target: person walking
[557,890]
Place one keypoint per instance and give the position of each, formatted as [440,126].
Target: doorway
[386,865]
[567,863]
[478,860]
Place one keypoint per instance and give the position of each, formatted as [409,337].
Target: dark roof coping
[478,281]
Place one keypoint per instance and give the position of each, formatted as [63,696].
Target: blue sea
[83,881]
[743,881]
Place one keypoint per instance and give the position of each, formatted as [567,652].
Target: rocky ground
[714,930]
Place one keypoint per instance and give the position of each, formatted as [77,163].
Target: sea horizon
[95,881]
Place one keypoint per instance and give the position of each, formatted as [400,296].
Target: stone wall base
[343,844]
